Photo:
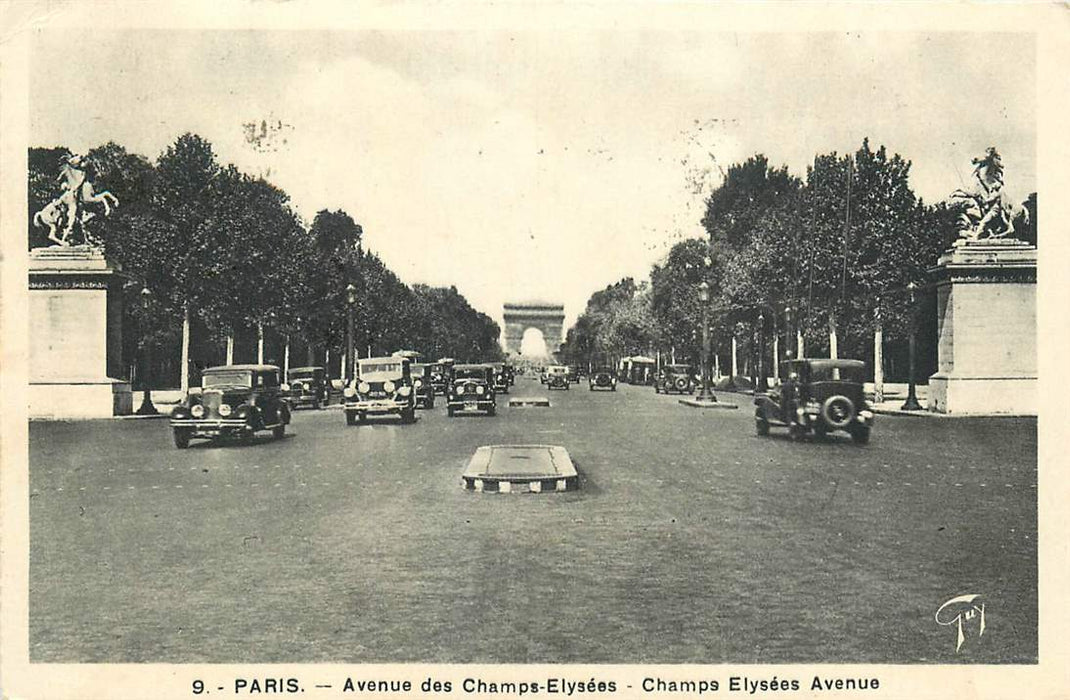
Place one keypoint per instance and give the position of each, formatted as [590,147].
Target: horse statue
[987,212]
[69,208]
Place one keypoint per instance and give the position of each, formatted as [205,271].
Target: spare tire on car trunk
[838,411]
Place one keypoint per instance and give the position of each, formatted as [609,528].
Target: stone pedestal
[76,335]
[987,329]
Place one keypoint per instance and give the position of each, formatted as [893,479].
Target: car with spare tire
[817,397]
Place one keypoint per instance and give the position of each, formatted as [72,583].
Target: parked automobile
[472,390]
[234,400]
[306,386]
[602,378]
[510,373]
[439,378]
[557,377]
[817,396]
[422,385]
[383,386]
[675,378]
[573,374]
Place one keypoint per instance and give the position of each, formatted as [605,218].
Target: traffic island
[529,401]
[520,469]
[702,403]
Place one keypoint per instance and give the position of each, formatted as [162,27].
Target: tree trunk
[833,339]
[259,342]
[878,363]
[230,347]
[184,379]
[735,360]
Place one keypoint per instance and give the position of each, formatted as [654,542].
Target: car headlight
[388,386]
[349,392]
[480,390]
[418,383]
[197,411]
[364,387]
[224,410]
[286,387]
[404,391]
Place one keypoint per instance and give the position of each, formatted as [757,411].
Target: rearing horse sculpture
[77,192]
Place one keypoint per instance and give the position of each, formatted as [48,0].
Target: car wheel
[351,418]
[450,411]
[820,431]
[431,402]
[796,431]
[362,416]
[493,410]
[613,389]
[316,404]
[860,435]
[408,415]
[182,438]
[762,426]
[657,389]
[279,431]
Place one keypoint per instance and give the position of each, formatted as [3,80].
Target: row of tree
[227,261]
[841,248]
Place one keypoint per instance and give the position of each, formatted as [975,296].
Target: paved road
[690,540]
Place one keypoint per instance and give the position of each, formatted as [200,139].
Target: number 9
[198,687]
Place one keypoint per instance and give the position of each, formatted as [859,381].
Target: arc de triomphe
[548,318]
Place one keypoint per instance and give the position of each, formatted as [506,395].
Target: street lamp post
[351,302]
[911,404]
[704,296]
[146,408]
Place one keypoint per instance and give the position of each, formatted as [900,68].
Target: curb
[925,413]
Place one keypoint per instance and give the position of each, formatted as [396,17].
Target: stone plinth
[987,329]
[75,335]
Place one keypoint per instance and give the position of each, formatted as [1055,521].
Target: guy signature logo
[960,610]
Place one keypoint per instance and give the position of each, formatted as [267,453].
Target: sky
[537,165]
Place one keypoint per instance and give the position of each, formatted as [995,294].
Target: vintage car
[383,386]
[234,400]
[442,374]
[472,390]
[510,373]
[557,377]
[306,386]
[675,378]
[422,385]
[817,396]
[602,378]
[501,378]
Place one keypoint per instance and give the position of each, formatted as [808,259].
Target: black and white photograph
[495,350]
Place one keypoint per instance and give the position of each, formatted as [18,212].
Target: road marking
[130,488]
[178,486]
[83,488]
[907,483]
[228,485]
[957,485]
[155,487]
[301,484]
[204,486]
[880,483]
[107,488]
